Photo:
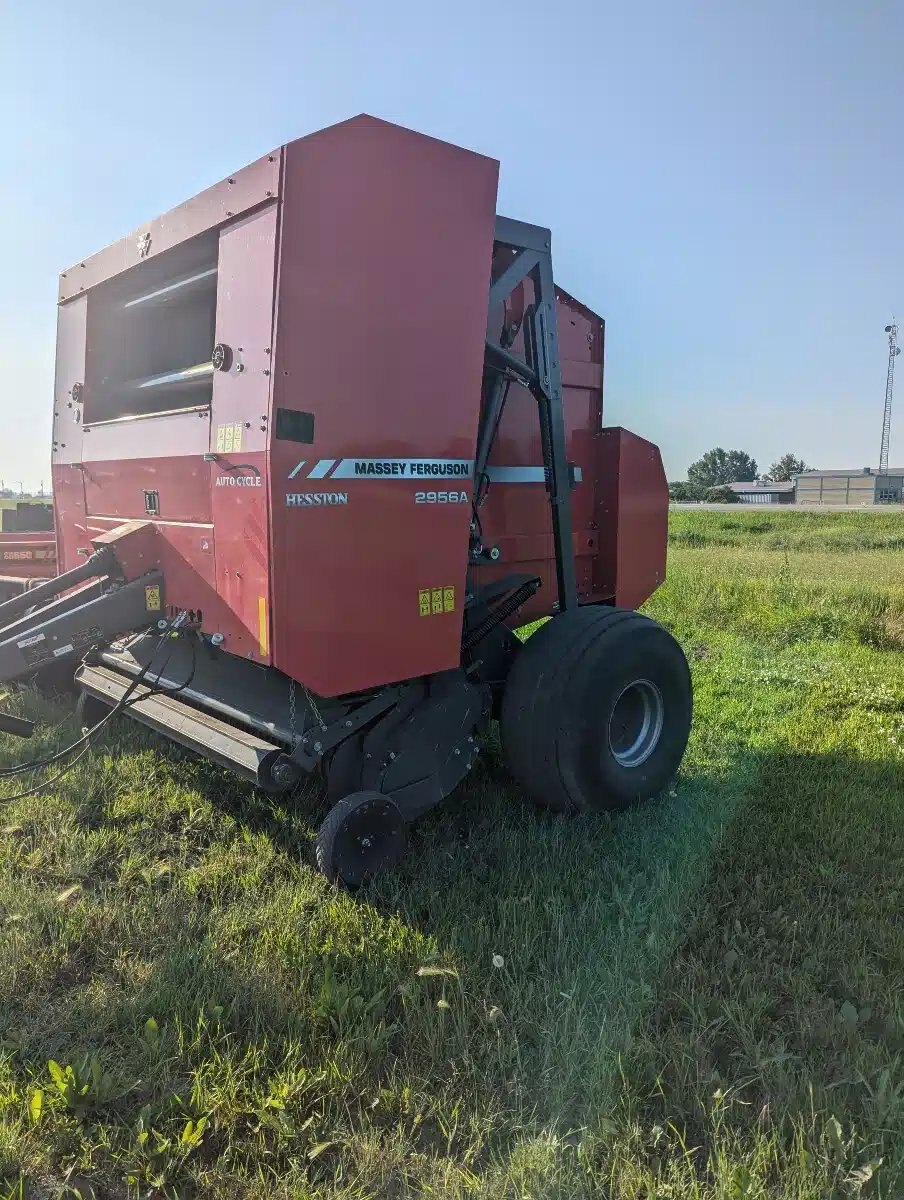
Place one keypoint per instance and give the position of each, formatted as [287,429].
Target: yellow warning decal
[152,598]
[229,437]
[433,601]
[262,625]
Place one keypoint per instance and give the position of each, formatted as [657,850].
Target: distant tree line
[708,477]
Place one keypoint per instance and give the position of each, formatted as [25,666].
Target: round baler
[325,437]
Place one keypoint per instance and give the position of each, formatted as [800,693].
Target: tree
[720,466]
[785,468]
[722,495]
[684,493]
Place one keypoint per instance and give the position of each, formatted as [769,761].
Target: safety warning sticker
[433,601]
[152,598]
[229,437]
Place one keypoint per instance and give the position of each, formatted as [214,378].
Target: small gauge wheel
[362,836]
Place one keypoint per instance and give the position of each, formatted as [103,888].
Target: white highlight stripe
[497,474]
[322,468]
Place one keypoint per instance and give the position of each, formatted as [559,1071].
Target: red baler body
[346,274]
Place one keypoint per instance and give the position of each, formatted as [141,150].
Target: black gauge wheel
[362,836]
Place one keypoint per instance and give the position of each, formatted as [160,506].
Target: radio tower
[893,351]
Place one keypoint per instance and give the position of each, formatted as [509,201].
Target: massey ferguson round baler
[324,436]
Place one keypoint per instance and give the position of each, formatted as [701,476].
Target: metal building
[762,491]
[863,486]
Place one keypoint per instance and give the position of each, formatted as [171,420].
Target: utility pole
[893,351]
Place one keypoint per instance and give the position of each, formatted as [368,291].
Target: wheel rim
[635,725]
[370,839]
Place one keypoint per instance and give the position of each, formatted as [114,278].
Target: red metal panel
[185,554]
[117,488]
[243,552]
[253,185]
[69,515]
[66,452]
[633,516]
[385,259]
[245,278]
[70,370]
[239,430]
[173,435]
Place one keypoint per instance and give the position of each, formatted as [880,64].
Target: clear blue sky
[723,181]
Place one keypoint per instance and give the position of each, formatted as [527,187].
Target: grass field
[702,998]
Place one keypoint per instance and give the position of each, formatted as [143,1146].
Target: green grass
[703,998]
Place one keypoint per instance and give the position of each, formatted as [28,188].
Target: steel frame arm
[61,631]
[540,372]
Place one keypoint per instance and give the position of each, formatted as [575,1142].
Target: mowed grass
[701,998]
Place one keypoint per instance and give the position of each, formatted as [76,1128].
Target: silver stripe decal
[497,474]
[322,468]
[420,469]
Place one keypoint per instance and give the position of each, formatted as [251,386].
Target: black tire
[597,710]
[364,817]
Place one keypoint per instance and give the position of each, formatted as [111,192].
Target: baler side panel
[386,247]
[72,323]
[182,484]
[139,460]
[633,516]
[239,430]
[66,455]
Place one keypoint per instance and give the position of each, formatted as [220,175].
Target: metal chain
[314,709]
[293,734]
[293,720]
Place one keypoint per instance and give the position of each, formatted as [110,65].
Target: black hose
[87,737]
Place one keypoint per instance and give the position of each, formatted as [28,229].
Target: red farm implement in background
[27,547]
[324,435]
